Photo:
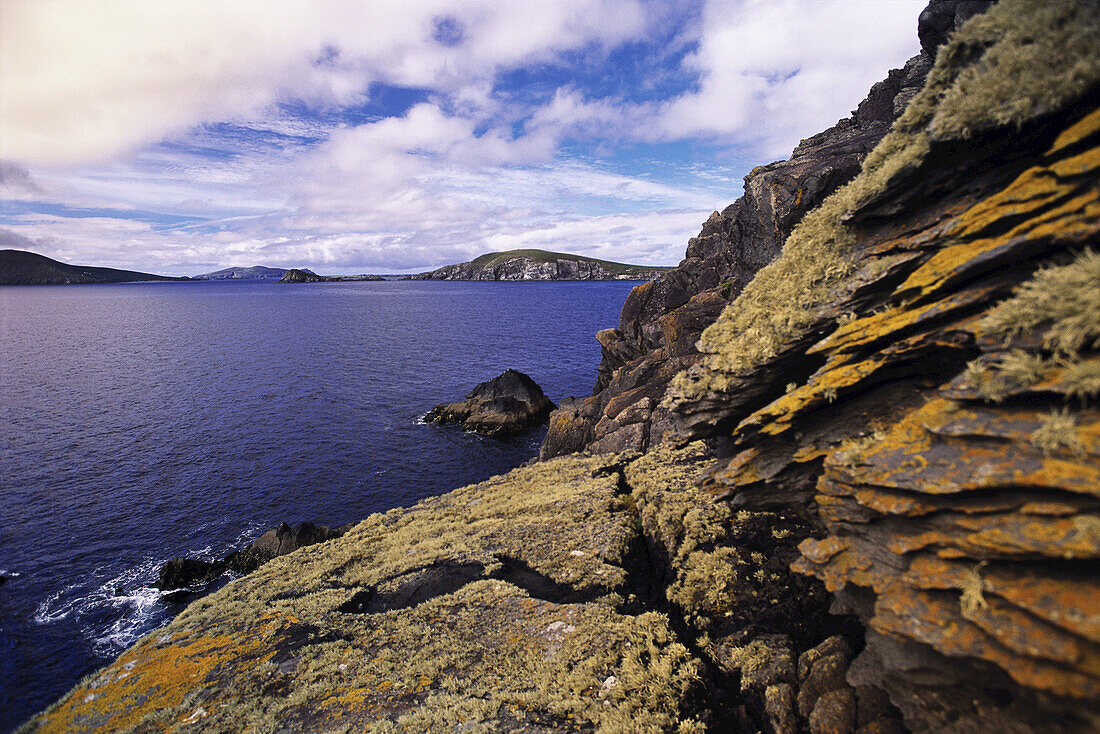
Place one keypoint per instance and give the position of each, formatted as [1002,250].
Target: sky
[385,137]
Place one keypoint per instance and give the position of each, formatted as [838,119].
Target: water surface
[139,422]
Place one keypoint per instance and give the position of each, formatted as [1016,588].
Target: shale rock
[504,405]
[662,320]
[917,374]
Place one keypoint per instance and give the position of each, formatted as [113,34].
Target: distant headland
[19,267]
[540,265]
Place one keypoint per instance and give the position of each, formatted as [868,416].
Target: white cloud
[776,70]
[89,81]
[87,87]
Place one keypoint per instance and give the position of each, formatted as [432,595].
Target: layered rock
[917,374]
[539,265]
[509,403]
[662,320]
[901,425]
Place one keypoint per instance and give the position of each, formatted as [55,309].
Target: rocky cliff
[879,513]
[539,265]
[663,319]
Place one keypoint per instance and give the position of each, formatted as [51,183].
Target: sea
[145,421]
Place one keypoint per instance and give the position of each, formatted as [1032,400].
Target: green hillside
[19,267]
[492,259]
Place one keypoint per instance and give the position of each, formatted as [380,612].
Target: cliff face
[539,265]
[891,522]
[662,320]
[919,371]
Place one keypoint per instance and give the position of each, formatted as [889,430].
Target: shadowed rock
[504,405]
[180,573]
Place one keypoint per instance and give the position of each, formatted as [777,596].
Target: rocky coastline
[539,265]
[839,472]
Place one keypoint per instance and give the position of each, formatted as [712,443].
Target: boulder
[278,542]
[180,573]
[504,405]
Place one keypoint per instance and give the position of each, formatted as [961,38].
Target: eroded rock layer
[662,320]
[919,370]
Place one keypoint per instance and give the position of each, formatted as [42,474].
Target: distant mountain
[19,267]
[540,265]
[256,272]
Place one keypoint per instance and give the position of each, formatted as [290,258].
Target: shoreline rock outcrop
[876,509]
[182,573]
[509,403]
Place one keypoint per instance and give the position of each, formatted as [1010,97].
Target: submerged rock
[278,542]
[504,405]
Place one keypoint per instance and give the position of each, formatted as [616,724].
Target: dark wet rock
[180,573]
[509,403]
[277,542]
[943,17]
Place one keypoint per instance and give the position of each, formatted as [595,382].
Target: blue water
[140,422]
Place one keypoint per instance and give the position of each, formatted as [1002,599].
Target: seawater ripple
[146,421]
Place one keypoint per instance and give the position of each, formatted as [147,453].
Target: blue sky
[355,137]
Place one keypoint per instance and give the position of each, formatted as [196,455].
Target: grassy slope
[493,259]
[18,267]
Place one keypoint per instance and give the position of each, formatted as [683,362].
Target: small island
[301,275]
[541,265]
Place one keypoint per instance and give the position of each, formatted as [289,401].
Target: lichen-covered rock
[663,319]
[500,606]
[509,403]
[919,370]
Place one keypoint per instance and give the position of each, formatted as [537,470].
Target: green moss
[1021,59]
[1082,379]
[1058,433]
[1063,300]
